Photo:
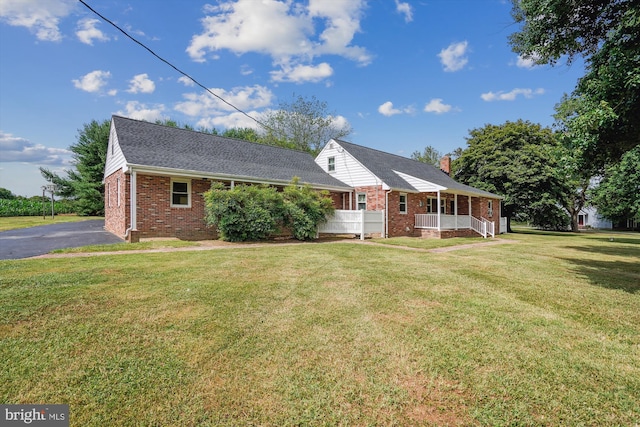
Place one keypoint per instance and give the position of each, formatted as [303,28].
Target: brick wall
[157,218]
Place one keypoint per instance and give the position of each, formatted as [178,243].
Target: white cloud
[302,73]
[284,30]
[92,82]
[88,31]
[40,17]
[404,9]
[141,84]
[512,95]
[139,111]
[437,106]
[246,70]
[454,56]
[186,81]
[388,110]
[16,149]
[245,98]
[528,62]
[233,120]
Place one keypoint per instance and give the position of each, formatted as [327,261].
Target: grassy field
[545,331]
[14,222]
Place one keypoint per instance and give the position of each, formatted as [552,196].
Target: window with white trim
[331,164]
[490,208]
[180,193]
[362,201]
[443,206]
[403,203]
[432,205]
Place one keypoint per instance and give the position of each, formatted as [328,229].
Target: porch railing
[481,226]
[447,222]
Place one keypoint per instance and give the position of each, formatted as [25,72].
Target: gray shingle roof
[384,164]
[157,146]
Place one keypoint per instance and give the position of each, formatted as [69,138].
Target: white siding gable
[420,184]
[115,157]
[347,168]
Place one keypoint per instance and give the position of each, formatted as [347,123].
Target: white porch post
[439,209]
[455,209]
[469,202]
[351,200]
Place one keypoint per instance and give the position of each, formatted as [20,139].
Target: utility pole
[51,188]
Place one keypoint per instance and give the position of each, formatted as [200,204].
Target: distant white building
[589,218]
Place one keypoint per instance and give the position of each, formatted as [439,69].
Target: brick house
[418,199]
[155,177]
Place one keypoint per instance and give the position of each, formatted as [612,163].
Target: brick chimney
[445,164]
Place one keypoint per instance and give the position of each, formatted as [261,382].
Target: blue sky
[403,74]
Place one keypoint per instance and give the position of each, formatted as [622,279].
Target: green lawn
[14,222]
[545,331]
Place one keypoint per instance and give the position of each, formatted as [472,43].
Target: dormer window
[331,164]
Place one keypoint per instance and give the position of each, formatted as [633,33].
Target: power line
[171,65]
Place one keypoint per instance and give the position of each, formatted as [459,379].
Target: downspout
[132,204]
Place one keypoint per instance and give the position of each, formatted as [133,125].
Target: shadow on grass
[617,239]
[622,275]
[624,251]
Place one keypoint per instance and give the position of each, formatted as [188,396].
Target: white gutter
[226,177]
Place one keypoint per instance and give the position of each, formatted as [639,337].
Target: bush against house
[258,212]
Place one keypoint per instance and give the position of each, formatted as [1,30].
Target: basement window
[180,193]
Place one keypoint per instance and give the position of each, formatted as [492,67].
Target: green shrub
[258,212]
[305,209]
[244,213]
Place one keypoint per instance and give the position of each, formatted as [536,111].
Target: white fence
[354,222]
[503,224]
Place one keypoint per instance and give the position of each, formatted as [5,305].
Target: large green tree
[84,182]
[303,124]
[606,33]
[617,197]
[516,160]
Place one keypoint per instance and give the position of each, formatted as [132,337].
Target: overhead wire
[171,65]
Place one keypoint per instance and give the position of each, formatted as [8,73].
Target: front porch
[444,226]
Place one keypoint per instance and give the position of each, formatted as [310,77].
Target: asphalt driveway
[28,242]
